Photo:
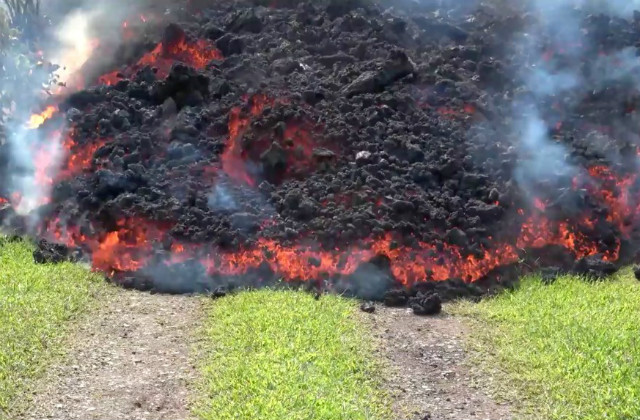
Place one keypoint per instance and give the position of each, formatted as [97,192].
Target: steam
[221,199]
[622,8]
[37,154]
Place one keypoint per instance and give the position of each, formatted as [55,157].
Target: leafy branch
[23,14]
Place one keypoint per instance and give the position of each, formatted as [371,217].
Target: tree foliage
[23,74]
[23,14]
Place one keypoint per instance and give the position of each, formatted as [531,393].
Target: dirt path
[131,362]
[429,379]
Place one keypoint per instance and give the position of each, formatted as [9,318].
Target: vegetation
[571,349]
[23,14]
[284,355]
[36,304]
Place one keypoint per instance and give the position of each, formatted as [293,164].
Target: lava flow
[337,162]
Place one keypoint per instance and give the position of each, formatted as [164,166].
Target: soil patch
[131,361]
[429,377]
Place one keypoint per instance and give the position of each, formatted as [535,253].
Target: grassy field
[283,355]
[36,303]
[570,350]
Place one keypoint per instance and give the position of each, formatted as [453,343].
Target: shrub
[23,14]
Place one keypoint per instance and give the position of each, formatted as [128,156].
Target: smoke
[36,153]
[220,199]
[612,7]
[75,43]
[559,30]
[85,26]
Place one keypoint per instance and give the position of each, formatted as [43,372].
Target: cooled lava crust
[340,144]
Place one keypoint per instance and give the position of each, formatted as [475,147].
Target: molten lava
[294,146]
[79,158]
[126,249]
[195,54]
[234,157]
[614,192]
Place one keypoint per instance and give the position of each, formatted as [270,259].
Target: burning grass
[36,304]
[284,355]
[569,350]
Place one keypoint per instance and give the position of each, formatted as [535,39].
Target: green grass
[283,355]
[570,350]
[36,303]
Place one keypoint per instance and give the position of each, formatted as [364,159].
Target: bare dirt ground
[130,362]
[429,379]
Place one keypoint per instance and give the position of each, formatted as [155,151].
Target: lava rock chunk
[48,252]
[368,307]
[396,298]
[426,304]
[595,267]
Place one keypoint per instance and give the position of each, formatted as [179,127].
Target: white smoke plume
[558,29]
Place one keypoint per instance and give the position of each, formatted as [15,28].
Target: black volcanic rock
[368,307]
[594,267]
[47,252]
[429,304]
[549,275]
[396,298]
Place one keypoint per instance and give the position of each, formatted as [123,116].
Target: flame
[36,120]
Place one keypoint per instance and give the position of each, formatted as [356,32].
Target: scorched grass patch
[36,303]
[570,350]
[285,355]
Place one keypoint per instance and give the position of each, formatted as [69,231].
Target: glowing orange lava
[234,156]
[195,54]
[614,192]
[79,158]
